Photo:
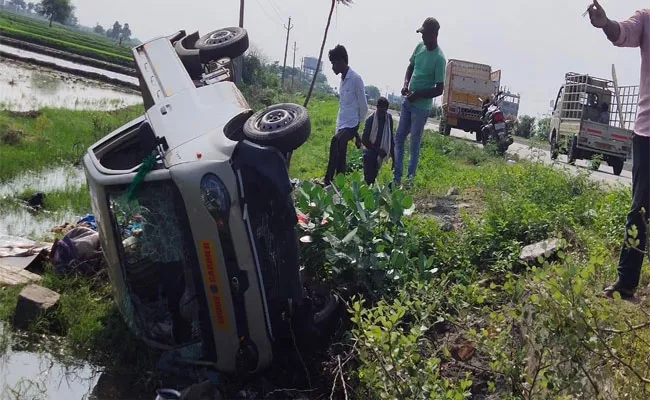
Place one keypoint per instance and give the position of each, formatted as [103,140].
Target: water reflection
[25,87]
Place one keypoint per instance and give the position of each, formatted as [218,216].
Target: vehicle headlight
[215,197]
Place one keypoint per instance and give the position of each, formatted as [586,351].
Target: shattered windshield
[156,259]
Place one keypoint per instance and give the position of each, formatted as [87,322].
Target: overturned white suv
[194,209]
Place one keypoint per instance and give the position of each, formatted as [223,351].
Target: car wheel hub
[219,37]
[274,120]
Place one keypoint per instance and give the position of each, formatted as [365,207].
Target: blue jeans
[411,120]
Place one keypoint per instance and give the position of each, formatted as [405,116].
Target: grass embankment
[63,38]
[87,317]
[448,310]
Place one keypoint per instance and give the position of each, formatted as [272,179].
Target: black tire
[485,138]
[447,130]
[283,126]
[573,151]
[617,165]
[479,138]
[555,151]
[229,42]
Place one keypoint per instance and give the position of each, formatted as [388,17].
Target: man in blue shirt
[353,109]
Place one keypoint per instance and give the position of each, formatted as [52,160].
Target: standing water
[25,87]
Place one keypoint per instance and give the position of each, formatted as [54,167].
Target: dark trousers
[629,266]
[338,161]
[370,166]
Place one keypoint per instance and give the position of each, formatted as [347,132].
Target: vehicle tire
[555,151]
[225,42]
[617,165]
[447,130]
[479,139]
[573,151]
[283,126]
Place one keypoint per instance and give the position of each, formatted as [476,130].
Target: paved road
[604,175]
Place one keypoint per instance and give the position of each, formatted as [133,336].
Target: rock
[453,191]
[445,225]
[33,302]
[464,351]
[546,249]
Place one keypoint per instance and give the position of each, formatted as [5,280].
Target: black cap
[429,25]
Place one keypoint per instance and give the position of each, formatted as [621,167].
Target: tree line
[63,12]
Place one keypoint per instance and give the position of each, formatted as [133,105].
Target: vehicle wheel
[555,151]
[283,126]
[573,151]
[447,130]
[617,165]
[479,139]
[226,42]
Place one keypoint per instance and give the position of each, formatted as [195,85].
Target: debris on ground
[545,249]
[14,246]
[463,351]
[33,302]
[453,191]
[36,201]
[79,252]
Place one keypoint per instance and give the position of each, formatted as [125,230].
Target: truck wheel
[283,126]
[555,151]
[479,139]
[573,151]
[226,42]
[617,165]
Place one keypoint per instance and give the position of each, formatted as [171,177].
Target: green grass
[473,284]
[57,136]
[63,38]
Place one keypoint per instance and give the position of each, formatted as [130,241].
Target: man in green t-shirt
[424,81]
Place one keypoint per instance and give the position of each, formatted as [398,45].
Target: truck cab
[591,118]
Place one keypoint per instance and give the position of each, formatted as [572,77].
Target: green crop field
[63,38]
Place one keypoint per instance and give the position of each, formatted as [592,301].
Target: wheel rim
[274,120]
[219,37]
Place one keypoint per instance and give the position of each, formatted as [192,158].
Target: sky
[534,43]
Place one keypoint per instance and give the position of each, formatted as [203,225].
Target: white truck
[593,117]
[465,83]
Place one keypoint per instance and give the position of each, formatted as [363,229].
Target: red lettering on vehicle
[213,285]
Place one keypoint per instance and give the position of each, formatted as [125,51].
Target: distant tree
[525,127]
[57,10]
[373,92]
[543,127]
[98,29]
[115,32]
[30,7]
[19,4]
[125,34]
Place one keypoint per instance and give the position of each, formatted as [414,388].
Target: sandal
[609,291]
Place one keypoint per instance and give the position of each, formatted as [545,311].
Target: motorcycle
[494,127]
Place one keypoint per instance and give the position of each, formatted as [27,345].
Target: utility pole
[293,71]
[239,61]
[286,49]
